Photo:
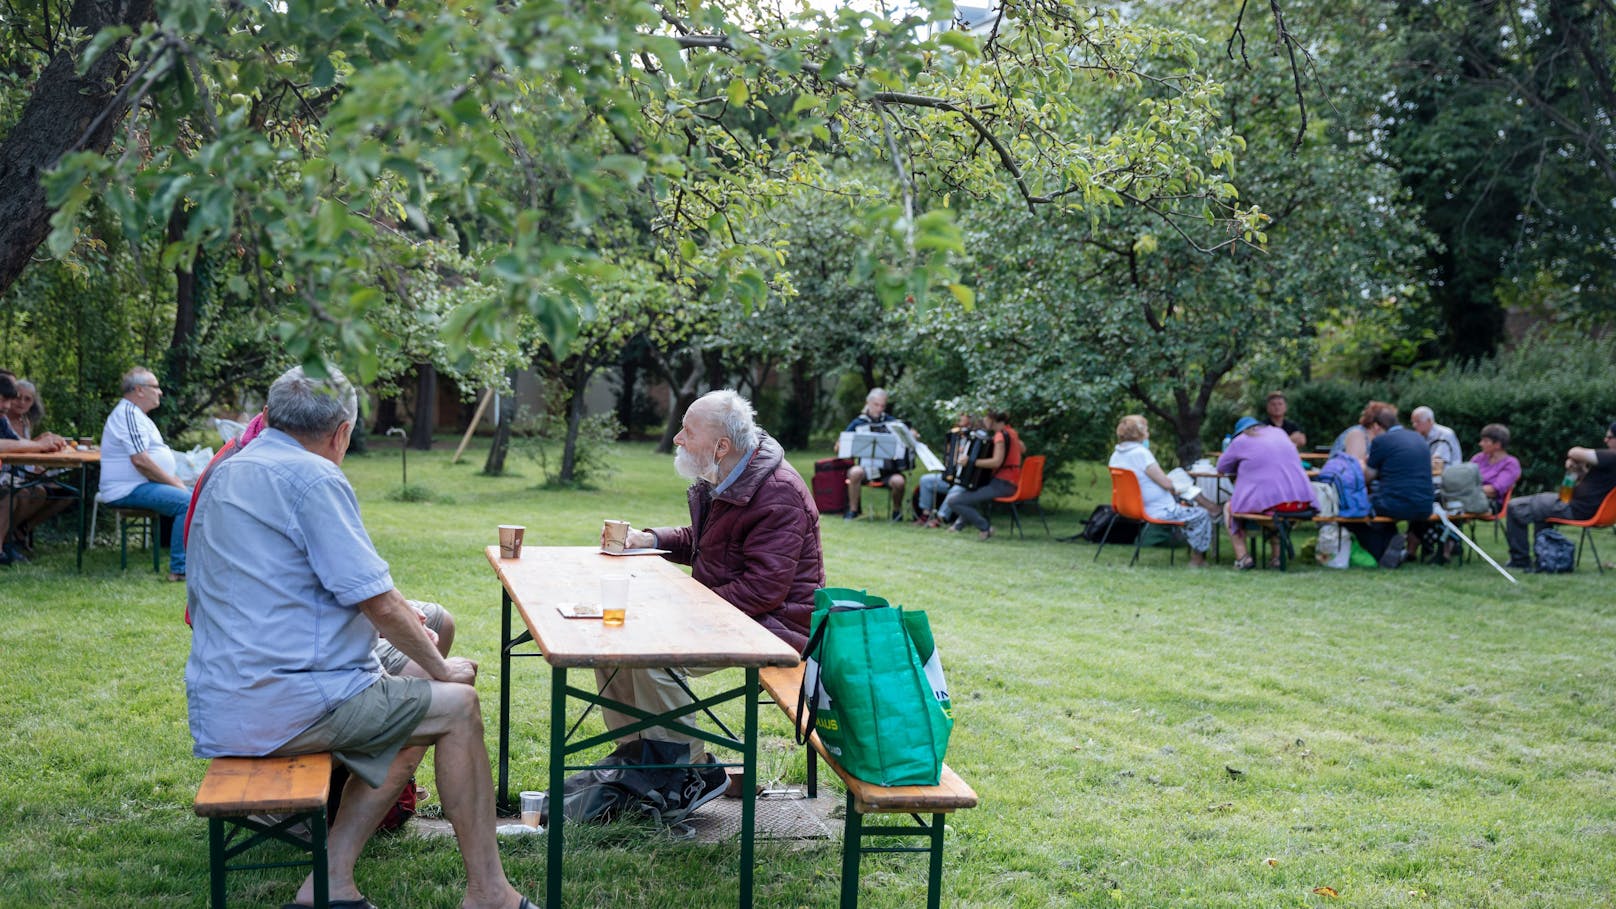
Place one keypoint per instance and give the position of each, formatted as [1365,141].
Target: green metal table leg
[556,803]
[749,784]
[852,851]
[502,792]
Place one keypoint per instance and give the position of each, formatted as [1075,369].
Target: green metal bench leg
[220,852]
[934,877]
[852,851]
[318,861]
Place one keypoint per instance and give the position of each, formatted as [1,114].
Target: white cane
[1472,544]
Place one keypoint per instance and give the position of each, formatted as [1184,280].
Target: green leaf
[965,296]
[738,92]
[100,44]
[324,73]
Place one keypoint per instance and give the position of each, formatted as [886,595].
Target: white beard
[695,467]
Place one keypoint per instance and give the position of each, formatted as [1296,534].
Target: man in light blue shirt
[286,595]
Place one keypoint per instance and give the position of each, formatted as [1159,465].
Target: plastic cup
[510,541]
[533,809]
[613,599]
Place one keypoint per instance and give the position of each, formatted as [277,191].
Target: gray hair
[37,411]
[132,379]
[734,414]
[1422,413]
[308,407]
[874,393]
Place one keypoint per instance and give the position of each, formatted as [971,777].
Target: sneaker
[1518,564]
[13,554]
[701,786]
[897,517]
[1395,552]
[850,515]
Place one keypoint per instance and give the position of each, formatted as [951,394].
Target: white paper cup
[510,540]
[614,538]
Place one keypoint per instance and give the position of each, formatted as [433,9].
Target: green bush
[1551,393]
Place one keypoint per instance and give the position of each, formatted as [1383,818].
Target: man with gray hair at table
[286,596]
[753,539]
[1442,441]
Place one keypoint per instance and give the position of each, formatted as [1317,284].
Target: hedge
[1551,394]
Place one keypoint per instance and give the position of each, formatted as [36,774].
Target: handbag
[874,689]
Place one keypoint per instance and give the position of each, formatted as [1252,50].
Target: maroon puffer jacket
[757,544]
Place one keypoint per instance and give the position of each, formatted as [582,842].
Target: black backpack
[1554,553]
[1122,530]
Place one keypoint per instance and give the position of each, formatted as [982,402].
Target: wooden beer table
[67,459]
[673,621]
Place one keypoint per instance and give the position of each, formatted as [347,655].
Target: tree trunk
[180,348]
[66,112]
[386,415]
[625,398]
[426,406]
[575,417]
[797,424]
[680,397]
[495,465]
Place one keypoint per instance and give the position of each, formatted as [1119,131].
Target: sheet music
[932,462]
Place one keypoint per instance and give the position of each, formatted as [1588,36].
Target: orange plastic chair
[1604,517]
[1028,489]
[1129,502]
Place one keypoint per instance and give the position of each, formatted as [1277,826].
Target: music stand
[870,446]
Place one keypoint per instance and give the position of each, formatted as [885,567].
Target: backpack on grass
[1553,553]
[1105,518]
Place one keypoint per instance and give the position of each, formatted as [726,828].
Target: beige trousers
[654,691]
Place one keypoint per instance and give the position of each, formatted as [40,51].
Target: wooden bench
[951,794]
[1280,522]
[235,788]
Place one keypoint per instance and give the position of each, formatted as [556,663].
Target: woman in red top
[1005,462]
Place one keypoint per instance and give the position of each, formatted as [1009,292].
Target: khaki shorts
[366,731]
[392,659]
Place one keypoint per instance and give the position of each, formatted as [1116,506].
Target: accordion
[964,448]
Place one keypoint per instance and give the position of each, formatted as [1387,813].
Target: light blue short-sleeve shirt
[278,562]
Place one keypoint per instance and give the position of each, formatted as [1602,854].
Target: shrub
[543,437]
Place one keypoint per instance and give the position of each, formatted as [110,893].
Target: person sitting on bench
[1268,478]
[753,539]
[286,595]
[1398,470]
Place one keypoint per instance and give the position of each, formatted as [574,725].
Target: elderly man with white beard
[753,538]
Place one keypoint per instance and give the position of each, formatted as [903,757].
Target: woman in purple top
[1267,474]
[1499,469]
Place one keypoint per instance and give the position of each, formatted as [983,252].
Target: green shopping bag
[874,689]
[1361,558]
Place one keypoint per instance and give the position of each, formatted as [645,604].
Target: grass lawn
[1139,737]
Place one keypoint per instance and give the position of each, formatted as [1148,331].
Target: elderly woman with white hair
[1157,490]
